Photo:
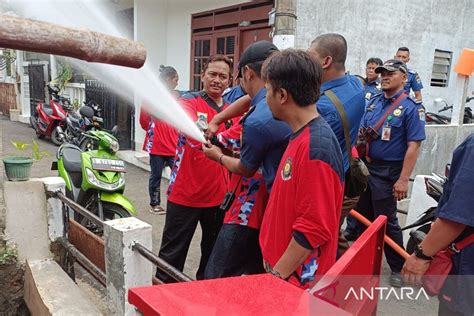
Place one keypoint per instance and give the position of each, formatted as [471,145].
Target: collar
[392,98]
[328,85]
[373,82]
[259,96]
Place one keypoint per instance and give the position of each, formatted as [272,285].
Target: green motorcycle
[95,178]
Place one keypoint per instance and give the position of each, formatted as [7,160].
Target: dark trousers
[353,226]
[157,163]
[236,252]
[378,200]
[180,225]
[347,205]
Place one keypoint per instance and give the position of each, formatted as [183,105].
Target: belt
[372,161]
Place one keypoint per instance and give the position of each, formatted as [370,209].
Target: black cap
[258,51]
[392,65]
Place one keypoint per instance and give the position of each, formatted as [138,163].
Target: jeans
[157,164]
[236,252]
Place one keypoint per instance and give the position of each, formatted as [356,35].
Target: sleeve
[256,142]
[416,84]
[144,120]
[318,189]
[415,124]
[457,200]
[230,139]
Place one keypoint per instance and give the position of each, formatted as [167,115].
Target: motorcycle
[434,189]
[48,116]
[436,118]
[95,179]
[87,119]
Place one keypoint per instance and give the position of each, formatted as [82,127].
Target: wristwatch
[419,253]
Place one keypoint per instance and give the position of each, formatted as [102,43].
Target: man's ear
[283,95]
[327,62]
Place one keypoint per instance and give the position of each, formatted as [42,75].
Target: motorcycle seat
[72,159]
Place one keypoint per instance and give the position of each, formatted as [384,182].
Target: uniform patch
[421,113]
[287,169]
[368,95]
[397,112]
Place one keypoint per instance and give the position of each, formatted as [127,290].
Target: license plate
[108,164]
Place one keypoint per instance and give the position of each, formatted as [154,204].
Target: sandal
[158,210]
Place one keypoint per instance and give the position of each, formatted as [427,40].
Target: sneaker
[158,210]
[396,279]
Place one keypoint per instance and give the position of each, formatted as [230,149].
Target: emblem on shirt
[368,95]
[287,168]
[397,112]
[421,113]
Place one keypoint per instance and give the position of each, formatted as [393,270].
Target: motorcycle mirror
[114,130]
[86,112]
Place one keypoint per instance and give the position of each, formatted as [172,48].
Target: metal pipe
[49,38]
[83,260]
[76,207]
[161,264]
[389,241]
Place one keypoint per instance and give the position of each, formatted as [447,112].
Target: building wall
[376,28]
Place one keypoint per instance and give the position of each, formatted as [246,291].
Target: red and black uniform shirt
[195,180]
[250,193]
[305,202]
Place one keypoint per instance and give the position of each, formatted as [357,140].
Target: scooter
[434,189]
[436,118]
[48,116]
[95,179]
[77,123]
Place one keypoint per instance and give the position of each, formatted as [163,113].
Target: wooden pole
[389,241]
[49,38]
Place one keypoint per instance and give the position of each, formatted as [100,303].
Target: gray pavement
[137,191]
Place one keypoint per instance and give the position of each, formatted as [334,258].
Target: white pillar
[124,267]
[55,207]
[462,84]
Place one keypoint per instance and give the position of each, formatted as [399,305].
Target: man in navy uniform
[394,127]
[413,81]
[372,79]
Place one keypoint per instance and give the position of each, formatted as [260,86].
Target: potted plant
[18,168]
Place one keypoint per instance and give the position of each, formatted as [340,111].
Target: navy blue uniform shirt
[456,204]
[352,96]
[264,139]
[372,88]
[233,94]
[413,82]
[406,123]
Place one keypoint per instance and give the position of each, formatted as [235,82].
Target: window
[441,68]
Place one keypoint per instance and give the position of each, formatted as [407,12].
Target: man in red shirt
[197,185]
[160,142]
[299,233]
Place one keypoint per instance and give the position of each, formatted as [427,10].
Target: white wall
[376,28]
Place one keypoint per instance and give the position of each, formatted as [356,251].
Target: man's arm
[418,95]
[442,233]
[230,163]
[292,258]
[400,187]
[238,108]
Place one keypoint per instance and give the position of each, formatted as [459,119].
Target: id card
[386,133]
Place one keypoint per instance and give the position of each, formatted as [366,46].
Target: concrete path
[137,191]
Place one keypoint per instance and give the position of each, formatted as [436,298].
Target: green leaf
[20,145]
